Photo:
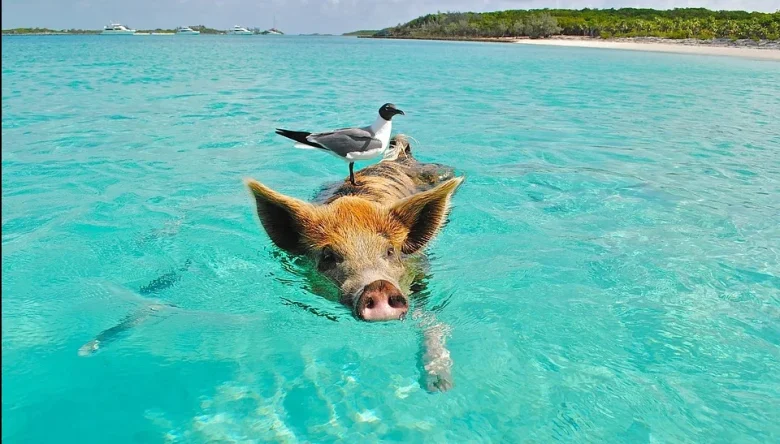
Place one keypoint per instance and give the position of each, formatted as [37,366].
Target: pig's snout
[381,301]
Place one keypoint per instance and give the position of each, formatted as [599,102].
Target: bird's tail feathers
[300,137]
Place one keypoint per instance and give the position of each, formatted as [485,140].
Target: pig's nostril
[397,301]
[370,302]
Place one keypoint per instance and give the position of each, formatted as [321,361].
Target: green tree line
[625,22]
[361,32]
[20,31]
[23,31]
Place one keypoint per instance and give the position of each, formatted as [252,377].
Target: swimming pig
[367,240]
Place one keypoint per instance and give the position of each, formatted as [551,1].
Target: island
[625,23]
[158,31]
[47,31]
[363,32]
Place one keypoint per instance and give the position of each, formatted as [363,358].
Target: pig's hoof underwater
[89,348]
[439,382]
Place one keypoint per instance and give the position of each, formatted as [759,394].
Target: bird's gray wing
[347,140]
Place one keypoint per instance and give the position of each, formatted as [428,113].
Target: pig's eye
[390,252]
[329,257]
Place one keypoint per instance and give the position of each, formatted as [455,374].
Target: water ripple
[610,270]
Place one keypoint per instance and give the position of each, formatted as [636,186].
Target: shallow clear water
[610,272]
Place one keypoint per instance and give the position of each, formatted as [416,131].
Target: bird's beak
[398,111]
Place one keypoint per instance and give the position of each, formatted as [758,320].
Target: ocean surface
[610,271]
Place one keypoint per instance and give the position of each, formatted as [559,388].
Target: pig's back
[392,179]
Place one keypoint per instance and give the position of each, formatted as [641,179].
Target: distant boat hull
[186,30]
[112,32]
[239,30]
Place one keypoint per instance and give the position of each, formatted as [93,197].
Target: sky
[296,16]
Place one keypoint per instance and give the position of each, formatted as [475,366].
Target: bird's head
[388,110]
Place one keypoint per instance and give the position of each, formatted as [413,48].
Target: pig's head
[359,245]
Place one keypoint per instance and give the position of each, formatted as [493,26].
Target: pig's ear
[284,218]
[424,213]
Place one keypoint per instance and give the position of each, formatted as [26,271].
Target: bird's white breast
[381,129]
[364,155]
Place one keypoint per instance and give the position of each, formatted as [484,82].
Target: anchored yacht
[239,30]
[186,30]
[117,29]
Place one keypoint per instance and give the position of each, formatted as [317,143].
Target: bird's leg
[352,174]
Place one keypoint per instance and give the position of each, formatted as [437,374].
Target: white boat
[117,29]
[239,30]
[273,31]
[186,30]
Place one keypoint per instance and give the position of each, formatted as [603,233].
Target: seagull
[350,144]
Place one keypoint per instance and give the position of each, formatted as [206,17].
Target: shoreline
[765,50]
[762,51]
[446,39]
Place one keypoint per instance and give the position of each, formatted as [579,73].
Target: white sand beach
[746,52]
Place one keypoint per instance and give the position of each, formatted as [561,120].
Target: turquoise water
[610,271]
